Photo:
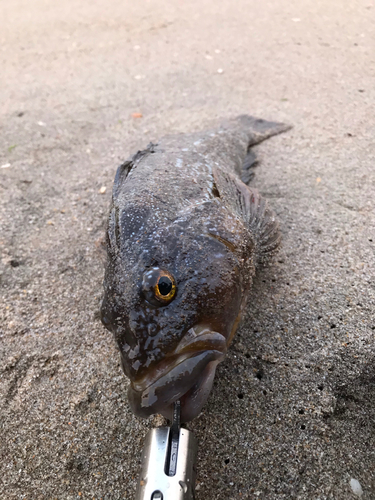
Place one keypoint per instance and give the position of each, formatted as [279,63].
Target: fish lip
[190,381]
[190,346]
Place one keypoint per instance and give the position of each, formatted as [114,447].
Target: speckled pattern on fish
[185,235]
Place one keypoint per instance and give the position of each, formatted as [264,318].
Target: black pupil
[165,285]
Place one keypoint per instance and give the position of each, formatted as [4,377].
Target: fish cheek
[123,337]
[219,300]
[229,293]
[115,317]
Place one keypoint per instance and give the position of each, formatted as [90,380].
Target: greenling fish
[185,235]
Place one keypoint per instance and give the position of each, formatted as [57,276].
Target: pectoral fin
[254,211]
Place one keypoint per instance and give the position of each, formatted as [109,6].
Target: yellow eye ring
[158,286]
[165,287]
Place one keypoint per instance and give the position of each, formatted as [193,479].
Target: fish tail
[259,130]
[262,221]
[247,131]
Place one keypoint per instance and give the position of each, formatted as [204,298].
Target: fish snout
[185,374]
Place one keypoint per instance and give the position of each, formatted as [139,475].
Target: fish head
[173,296]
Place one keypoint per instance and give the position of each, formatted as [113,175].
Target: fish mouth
[187,374]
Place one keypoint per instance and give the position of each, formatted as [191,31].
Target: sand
[85,84]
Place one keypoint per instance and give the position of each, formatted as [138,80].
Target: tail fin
[257,129]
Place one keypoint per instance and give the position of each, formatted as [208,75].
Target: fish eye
[158,286]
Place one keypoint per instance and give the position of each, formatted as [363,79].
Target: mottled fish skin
[180,213]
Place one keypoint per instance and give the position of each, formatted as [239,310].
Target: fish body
[184,238]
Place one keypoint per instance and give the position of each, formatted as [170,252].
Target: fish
[185,236]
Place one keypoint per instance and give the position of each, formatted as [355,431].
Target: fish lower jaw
[193,401]
[189,381]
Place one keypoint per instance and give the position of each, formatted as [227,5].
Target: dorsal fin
[124,169]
